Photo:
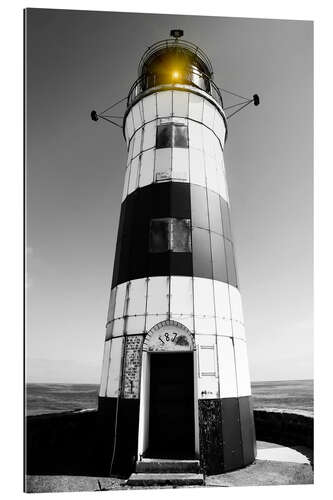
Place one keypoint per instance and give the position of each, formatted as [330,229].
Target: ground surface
[275,465]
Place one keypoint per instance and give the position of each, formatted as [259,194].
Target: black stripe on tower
[227,432]
[211,253]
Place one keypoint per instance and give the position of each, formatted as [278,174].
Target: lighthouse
[175,379]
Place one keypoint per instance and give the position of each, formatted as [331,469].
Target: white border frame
[12,204]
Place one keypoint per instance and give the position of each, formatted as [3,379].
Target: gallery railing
[192,77]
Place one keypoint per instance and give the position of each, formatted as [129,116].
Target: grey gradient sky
[78,61]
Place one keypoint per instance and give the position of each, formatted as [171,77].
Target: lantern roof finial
[177,33]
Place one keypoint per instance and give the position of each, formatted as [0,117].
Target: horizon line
[95,383]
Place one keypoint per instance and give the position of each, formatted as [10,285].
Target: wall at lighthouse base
[227,434]
[62,444]
[124,423]
[80,442]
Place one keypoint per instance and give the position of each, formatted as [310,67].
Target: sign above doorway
[169,335]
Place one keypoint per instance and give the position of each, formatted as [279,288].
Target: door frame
[144,411]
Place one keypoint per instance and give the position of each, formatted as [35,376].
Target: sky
[78,61]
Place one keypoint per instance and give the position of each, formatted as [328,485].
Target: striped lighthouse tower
[175,379]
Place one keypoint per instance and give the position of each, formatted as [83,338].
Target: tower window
[172,135]
[170,234]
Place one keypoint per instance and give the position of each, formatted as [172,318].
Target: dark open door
[171,419]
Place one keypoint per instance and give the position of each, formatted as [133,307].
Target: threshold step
[153,465]
[165,479]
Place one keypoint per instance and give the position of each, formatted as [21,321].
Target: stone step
[155,465]
[165,479]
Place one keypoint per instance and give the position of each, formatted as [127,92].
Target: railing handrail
[133,93]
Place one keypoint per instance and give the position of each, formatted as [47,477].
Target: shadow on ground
[265,473]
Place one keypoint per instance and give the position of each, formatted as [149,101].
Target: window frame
[172,223]
[182,139]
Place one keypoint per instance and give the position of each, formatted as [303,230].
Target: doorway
[171,405]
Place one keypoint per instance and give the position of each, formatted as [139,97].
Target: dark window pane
[214,208]
[159,235]
[199,209]
[232,276]
[225,218]
[170,234]
[180,235]
[202,262]
[218,258]
[180,135]
[164,136]
[172,135]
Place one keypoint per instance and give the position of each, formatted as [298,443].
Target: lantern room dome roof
[174,54]
[175,63]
